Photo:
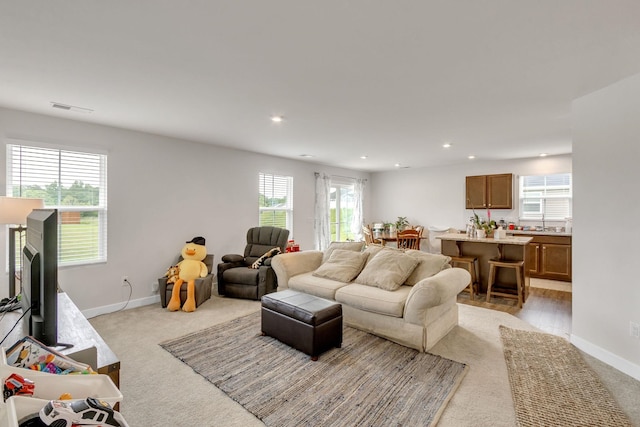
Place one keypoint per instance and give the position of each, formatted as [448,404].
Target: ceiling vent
[70,108]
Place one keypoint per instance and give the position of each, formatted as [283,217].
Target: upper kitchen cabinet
[490,191]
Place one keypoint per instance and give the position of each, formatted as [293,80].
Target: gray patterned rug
[368,382]
[553,386]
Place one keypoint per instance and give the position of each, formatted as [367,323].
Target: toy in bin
[16,385]
[292,246]
[85,412]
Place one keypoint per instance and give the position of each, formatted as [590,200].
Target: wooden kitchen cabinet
[533,258]
[549,257]
[489,191]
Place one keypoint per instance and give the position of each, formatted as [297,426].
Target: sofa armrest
[433,291]
[291,264]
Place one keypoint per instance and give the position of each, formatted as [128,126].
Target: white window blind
[73,182]
[547,197]
[276,201]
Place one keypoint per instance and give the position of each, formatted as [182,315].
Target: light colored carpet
[552,386]
[369,381]
[159,390]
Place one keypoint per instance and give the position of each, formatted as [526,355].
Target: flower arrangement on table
[487,225]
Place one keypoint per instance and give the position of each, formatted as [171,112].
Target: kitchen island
[509,248]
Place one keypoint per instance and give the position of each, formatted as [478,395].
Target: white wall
[436,196]
[606,155]
[161,193]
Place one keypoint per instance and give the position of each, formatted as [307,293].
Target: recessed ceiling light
[363,157]
[543,154]
[397,165]
[446,145]
[277,119]
[471,157]
[307,156]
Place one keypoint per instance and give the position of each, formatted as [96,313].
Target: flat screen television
[40,276]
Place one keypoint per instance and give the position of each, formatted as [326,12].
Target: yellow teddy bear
[190,268]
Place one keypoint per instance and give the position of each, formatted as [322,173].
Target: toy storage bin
[18,407]
[51,386]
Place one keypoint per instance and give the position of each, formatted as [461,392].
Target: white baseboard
[607,357]
[106,309]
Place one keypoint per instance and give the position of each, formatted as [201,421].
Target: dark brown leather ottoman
[307,323]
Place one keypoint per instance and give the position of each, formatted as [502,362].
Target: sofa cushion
[318,286]
[373,249]
[343,265]
[374,300]
[349,246]
[387,270]
[429,265]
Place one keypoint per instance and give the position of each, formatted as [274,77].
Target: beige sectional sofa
[408,297]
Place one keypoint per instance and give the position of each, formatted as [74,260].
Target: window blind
[548,196]
[73,182]
[276,201]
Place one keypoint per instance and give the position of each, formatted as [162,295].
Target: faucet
[543,226]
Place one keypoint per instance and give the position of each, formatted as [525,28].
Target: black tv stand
[62,346]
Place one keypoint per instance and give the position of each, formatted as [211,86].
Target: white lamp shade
[14,210]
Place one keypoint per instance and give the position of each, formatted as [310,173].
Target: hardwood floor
[548,306]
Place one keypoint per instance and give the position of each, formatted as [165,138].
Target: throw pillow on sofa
[374,248]
[350,246]
[387,270]
[430,264]
[343,265]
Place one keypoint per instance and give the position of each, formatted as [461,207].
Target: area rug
[553,386]
[370,381]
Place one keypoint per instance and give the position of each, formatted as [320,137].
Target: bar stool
[518,266]
[469,263]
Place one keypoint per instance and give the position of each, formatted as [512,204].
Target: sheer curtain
[322,231]
[358,213]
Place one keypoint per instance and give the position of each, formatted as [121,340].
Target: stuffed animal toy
[272,252]
[191,267]
[172,274]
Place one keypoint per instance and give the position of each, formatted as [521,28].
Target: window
[73,182]
[276,201]
[546,197]
[341,210]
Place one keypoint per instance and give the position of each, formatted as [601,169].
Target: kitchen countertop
[509,240]
[537,233]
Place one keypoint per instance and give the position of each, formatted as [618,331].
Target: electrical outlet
[154,287]
[634,329]
[125,281]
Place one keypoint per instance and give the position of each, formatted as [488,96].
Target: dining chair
[368,235]
[408,239]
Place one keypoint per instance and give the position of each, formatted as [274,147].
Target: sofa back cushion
[387,270]
[343,265]
[429,265]
[350,246]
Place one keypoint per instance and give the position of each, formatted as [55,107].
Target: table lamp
[14,211]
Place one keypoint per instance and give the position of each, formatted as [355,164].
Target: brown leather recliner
[237,279]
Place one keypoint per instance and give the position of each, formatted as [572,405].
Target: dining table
[391,237]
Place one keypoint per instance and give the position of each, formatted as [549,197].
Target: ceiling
[391,80]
